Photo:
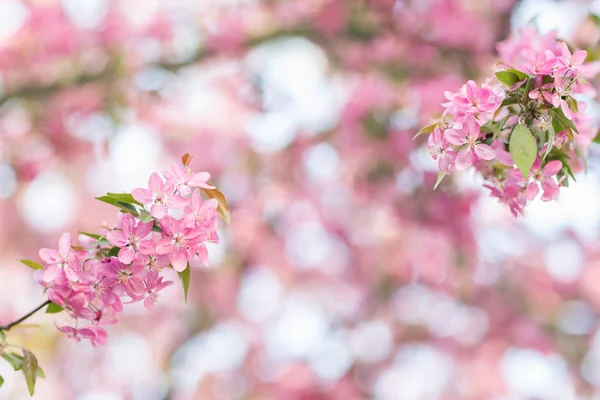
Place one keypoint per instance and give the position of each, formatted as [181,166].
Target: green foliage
[523,148]
[92,235]
[53,308]
[31,264]
[114,251]
[184,276]
[30,368]
[507,77]
[426,129]
[440,178]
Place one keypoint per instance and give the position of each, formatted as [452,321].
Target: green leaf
[53,308]
[92,235]
[522,148]
[426,129]
[1,381]
[558,115]
[15,360]
[30,367]
[146,216]
[520,74]
[551,136]
[488,129]
[114,251]
[507,77]
[125,207]
[40,373]
[31,264]
[508,101]
[441,176]
[124,197]
[184,276]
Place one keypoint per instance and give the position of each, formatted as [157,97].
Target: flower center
[179,240]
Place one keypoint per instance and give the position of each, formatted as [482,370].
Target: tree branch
[23,318]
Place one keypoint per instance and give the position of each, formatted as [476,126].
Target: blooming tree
[90,281]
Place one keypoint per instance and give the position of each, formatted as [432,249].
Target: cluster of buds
[523,128]
[91,281]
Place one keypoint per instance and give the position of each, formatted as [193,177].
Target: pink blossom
[540,63]
[540,176]
[131,238]
[124,278]
[570,64]
[154,284]
[76,334]
[474,100]
[179,240]
[439,148]
[468,138]
[183,179]
[64,262]
[77,306]
[161,196]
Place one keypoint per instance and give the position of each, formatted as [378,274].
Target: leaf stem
[23,318]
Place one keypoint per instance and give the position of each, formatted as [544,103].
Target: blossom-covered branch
[90,282]
[525,129]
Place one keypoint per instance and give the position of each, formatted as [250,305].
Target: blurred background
[343,274]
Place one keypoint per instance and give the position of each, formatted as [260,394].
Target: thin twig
[23,318]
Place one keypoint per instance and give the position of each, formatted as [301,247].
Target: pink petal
[579,57]
[155,183]
[165,246]
[147,247]
[203,255]
[550,188]
[51,273]
[49,255]
[455,137]
[143,229]
[158,211]
[149,302]
[144,196]
[116,238]
[176,201]
[64,243]
[196,200]
[179,260]
[127,223]
[471,127]
[532,191]
[126,255]
[200,179]
[484,151]
[552,168]
[464,159]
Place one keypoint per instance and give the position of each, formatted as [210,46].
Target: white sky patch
[260,294]
[547,15]
[297,94]
[301,326]
[576,209]
[87,14]
[222,348]
[134,155]
[532,374]
[49,202]
[564,260]
[8,181]
[13,14]
[420,372]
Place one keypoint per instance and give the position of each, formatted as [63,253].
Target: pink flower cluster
[92,281]
[533,90]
